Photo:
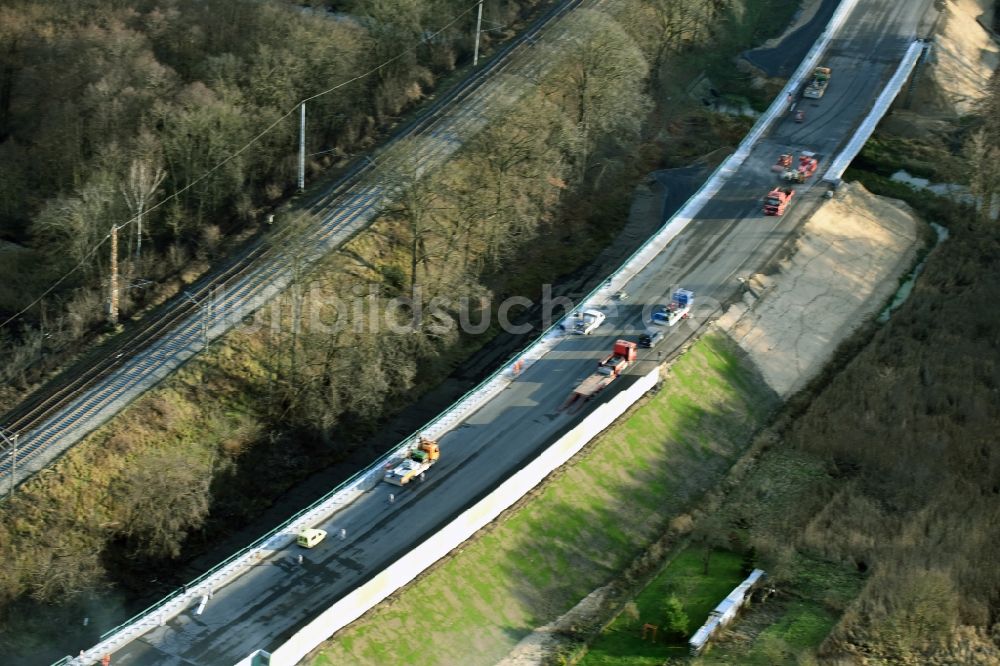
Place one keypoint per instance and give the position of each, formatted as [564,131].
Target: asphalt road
[730,237]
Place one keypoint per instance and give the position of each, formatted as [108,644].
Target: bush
[675,620]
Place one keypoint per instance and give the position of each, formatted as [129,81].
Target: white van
[309,538]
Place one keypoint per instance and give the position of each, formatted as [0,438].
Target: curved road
[730,237]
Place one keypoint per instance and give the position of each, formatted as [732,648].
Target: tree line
[108,107]
[442,238]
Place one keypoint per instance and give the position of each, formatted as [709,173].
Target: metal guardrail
[166,607]
[418,559]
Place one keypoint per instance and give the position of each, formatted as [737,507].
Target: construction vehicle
[678,308]
[622,356]
[417,461]
[807,167]
[817,86]
[783,164]
[777,200]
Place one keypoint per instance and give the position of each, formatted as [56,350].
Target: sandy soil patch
[845,266]
[965,54]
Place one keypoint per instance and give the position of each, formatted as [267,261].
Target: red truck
[610,367]
[783,164]
[777,200]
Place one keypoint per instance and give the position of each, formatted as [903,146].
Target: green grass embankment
[580,529]
[812,593]
[791,625]
[622,643]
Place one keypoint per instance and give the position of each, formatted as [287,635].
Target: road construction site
[727,238]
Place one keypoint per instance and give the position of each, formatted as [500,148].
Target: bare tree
[163,496]
[144,178]
[601,77]
[415,208]
[710,534]
[984,165]
[63,570]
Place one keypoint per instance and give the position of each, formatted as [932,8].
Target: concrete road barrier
[888,95]
[409,566]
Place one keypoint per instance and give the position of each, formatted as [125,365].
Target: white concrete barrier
[399,574]
[408,567]
[881,107]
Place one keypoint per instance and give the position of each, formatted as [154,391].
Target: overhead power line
[87,258]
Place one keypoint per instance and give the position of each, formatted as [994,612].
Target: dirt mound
[964,57]
[844,268]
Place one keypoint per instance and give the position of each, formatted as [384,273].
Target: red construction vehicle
[610,367]
[783,164]
[807,167]
[622,355]
[777,200]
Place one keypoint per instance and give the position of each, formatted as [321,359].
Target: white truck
[678,308]
[587,321]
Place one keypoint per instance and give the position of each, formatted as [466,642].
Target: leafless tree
[144,178]
[163,495]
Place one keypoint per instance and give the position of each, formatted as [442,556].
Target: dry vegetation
[107,107]
[892,470]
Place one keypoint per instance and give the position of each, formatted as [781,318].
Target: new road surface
[729,238]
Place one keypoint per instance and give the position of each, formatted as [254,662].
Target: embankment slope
[843,268]
[965,54]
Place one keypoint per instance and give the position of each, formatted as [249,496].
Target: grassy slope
[583,526]
[813,592]
[790,625]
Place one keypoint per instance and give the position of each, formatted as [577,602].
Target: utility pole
[12,441]
[302,147]
[479,25]
[204,308]
[113,308]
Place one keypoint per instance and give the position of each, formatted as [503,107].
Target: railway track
[76,401]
